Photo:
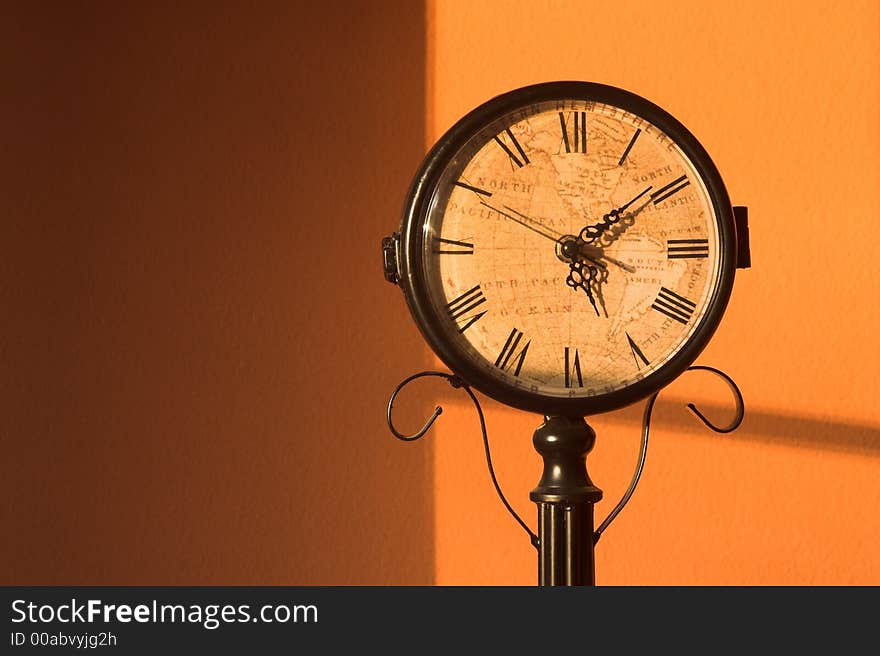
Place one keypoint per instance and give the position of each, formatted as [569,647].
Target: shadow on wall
[764,427]
[794,431]
[198,341]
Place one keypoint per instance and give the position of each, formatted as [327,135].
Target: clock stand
[565,496]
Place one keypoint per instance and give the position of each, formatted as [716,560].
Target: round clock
[566,248]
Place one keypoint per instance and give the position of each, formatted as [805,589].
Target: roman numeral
[629,147]
[461,308]
[680,249]
[452,247]
[573,369]
[520,161]
[578,143]
[673,187]
[674,306]
[476,190]
[509,356]
[637,352]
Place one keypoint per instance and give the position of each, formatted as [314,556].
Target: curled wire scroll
[646,429]
[457,383]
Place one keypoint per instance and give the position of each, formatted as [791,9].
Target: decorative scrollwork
[646,429]
[589,279]
[430,421]
[457,383]
[591,233]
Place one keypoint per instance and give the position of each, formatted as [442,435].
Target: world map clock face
[571,249]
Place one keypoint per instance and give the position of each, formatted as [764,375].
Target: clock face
[570,249]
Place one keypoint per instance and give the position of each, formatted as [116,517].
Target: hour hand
[596,254]
[629,268]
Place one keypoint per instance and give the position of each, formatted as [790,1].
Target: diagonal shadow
[765,427]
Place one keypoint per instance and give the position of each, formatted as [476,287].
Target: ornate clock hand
[588,278]
[588,252]
[594,256]
[591,233]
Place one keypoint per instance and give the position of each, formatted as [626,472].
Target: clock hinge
[389,257]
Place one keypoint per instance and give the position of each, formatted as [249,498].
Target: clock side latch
[743,254]
[389,257]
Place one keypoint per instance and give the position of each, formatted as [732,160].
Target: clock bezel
[416,211]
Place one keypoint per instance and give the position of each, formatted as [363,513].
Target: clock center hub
[570,249]
[567,248]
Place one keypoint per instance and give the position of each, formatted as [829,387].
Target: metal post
[565,497]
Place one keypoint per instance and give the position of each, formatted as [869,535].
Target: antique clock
[567,248]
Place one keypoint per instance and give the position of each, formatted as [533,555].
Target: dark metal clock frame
[404,253]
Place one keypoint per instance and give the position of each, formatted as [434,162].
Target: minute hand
[525,221]
[591,233]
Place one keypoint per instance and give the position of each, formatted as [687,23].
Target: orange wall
[194,356]
[171,180]
[785,98]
